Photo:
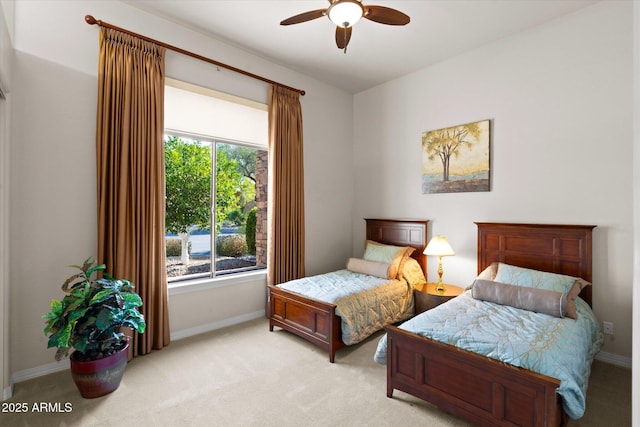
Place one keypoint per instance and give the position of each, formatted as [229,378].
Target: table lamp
[439,246]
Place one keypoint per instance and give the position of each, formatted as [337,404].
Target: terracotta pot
[99,377]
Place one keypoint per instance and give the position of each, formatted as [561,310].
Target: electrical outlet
[607,328]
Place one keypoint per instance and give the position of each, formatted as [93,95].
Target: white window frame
[214,281]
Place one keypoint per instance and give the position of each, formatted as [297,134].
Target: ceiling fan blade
[304,17]
[343,35]
[385,15]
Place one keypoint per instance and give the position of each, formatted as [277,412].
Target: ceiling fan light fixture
[345,13]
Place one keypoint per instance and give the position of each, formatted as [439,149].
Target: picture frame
[456,159]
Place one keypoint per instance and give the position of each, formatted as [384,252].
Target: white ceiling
[439,29]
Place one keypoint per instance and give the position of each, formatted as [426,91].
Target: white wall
[6,62]
[560,100]
[53,163]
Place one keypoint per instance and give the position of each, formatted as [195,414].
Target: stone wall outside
[262,184]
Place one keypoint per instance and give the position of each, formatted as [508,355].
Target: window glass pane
[236,207]
[188,177]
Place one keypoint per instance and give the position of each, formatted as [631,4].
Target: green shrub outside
[251,231]
[233,245]
[174,247]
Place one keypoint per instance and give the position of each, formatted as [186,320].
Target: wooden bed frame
[316,321]
[481,390]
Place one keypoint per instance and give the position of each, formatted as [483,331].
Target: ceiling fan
[345,13]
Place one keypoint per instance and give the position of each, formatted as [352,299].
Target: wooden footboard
[483,391]
[313,320]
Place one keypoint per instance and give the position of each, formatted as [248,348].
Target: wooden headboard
[563,249]
[401,232]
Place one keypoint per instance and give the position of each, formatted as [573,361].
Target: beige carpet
[247,376]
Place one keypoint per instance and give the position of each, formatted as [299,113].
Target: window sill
[208,283]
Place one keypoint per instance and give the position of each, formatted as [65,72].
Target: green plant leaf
[78,313]
[134,319]
[108,283]
[65,334]
[68,283]
[127,286]
[56,310]
[81,292]
[53,340]
[81,343]
[87,264]
[104,319]
[62,353]
[101,296]
[94,269]
[50,327]
[119,300]
[132,300]
[75,305]
[85,323]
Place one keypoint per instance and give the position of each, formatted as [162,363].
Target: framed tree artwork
[456,159]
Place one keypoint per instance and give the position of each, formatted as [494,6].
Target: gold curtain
[285,242]
[130,175]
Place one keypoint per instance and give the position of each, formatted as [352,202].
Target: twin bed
[495,386]
[484,390]
[316,320]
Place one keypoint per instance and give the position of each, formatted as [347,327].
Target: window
[216,186]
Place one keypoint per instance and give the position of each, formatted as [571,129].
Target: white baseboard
[7,393]
[185,333]
[38,371]
[614,359]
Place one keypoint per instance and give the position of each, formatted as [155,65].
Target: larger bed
[318,321]
[483,388]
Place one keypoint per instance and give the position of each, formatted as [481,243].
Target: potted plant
[90,319]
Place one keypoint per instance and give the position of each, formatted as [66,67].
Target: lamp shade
[439,245]
[345,13]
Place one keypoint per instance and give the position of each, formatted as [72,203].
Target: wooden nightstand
[426,297]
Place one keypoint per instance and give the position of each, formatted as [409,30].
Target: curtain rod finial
[90,20]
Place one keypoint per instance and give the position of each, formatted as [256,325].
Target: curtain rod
[93,21]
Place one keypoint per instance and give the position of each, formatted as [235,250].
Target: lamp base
[440,287]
